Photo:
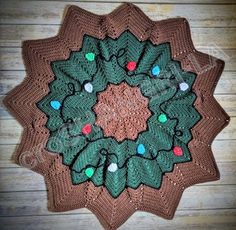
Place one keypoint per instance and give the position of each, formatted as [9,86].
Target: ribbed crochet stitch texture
[118,113]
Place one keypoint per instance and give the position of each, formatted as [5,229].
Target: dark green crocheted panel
[92,156]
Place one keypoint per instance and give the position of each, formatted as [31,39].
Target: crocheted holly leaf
[118,113]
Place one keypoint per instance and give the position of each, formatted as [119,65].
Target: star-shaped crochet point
[155,71]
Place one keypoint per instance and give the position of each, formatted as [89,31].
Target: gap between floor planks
[41,12]
[203,38]
[183,2]
[184,220]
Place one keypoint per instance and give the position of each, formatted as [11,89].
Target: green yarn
[101,62]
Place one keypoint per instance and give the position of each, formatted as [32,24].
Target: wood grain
[203,38]
[184,220]
[44,12]
[210,2]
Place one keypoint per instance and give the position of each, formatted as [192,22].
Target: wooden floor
[23,200]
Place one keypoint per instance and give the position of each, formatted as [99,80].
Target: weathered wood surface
[184,220]
[222,2]
[23,200]
[47,12]
[203,38]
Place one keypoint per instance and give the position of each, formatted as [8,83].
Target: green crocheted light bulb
[120,112]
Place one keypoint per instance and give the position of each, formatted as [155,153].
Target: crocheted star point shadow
[123,158]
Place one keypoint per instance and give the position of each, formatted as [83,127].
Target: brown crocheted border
[21,101]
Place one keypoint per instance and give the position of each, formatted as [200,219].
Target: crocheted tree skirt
[118,113]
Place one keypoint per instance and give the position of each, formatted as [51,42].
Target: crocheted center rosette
[120,115]
[122,112]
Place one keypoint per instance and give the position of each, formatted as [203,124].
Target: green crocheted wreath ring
[120,112]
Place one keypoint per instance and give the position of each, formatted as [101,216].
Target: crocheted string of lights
[121,132]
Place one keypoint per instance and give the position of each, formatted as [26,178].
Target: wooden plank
[226,84]
[229,132]
[184,220]
[207,2]
[13,35]
[35,202]
[224,151]
[228,102]
[22,179]
[6,156]
[10,131]
[42,12]
[10,79]
[11,58]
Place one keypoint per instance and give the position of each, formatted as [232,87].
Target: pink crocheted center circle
[122,111]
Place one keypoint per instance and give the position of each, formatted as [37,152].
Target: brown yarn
[122,111]
[62,195]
